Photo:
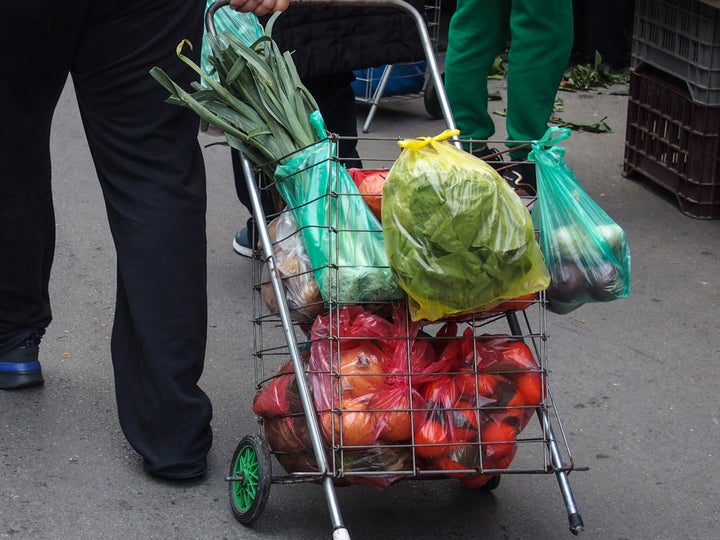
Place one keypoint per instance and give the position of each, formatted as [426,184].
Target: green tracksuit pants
[540,39]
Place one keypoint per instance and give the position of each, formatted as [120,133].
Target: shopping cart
[331,411]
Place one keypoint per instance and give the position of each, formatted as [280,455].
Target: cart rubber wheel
[250,478]
[430,97]
[492,483]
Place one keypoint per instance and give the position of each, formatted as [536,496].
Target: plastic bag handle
[548,142]
[420,142]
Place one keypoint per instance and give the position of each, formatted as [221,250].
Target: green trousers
[538,36]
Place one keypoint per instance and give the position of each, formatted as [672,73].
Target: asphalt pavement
[635,380]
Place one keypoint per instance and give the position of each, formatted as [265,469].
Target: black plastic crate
[674,141]
[682,38]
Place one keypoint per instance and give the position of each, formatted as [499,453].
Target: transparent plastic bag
[301,290]
[458,239]
[586,252]
[242,25]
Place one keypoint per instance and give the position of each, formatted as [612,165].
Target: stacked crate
[673,124]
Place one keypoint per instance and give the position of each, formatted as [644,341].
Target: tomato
[371,188]
[514,412]
[487,386]
[361,371]
[355,426]
[504,354]
[499,444]
[466,419]
[465,457]
[520,355]
[507,394]
[450,464]
[465,383]
[395,423]
[441,390]
[432,439]
[530,386]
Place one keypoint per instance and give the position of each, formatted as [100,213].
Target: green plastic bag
[242,25]
[343,238]
[458,239]
[586,252]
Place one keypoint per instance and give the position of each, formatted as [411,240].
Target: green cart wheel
[250,478]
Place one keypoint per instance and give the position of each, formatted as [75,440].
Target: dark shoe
[180,478]
[242,243]
[492,156]
[521,177]
[177,471]
[20,368]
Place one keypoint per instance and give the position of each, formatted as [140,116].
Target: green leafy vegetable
[254,95]
[457,237]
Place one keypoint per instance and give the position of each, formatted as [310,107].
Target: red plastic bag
[370,184]
[361,367]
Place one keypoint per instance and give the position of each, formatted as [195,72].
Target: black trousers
[152,176]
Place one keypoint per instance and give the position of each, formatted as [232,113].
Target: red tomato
[507,394]
[530,386]
[506,355]
[449,464]
[515,413]
[371,188]
[487,385]
[499,444]
[465,383]
[466,380]
[361,371]
[519,354]
[432,439]
[464,458]
[466,419]
[441,391]
[395,423]
[355,426]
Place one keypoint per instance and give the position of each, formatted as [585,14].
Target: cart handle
[398,4]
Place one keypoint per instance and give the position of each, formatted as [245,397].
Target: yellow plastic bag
[458,238]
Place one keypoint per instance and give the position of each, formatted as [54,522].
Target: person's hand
[259,7]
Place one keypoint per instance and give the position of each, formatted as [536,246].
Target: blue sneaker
[242,243]
[19,367]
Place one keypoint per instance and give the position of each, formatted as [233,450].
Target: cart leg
[377,96]
[339,530]
[514,324]
[574,518]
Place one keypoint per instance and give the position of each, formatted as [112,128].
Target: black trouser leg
[31,80]
[152,175]
[151,172]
